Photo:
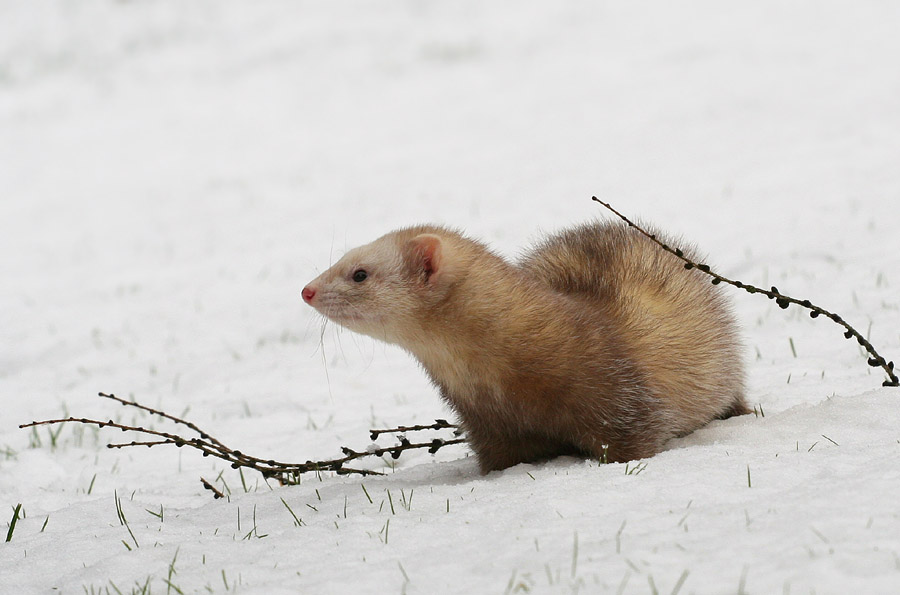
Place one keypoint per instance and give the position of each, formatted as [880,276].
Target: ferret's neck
[481,332]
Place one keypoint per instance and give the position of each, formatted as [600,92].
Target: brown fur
[596,343]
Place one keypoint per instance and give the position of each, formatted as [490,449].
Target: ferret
[596,343]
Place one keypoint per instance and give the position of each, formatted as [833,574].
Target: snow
[172,174]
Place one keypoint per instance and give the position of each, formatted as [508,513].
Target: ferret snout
[308,293]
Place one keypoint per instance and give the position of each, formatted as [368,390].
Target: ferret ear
[425,254]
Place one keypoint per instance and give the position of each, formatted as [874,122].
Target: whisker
[324,359]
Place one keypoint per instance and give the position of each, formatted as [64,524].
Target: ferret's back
[678,325]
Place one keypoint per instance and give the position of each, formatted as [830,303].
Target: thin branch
[216,492]
[136,443]
[781,299]
[162,414]
[287,473]
[438,424]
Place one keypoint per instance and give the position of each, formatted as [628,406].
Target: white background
[172,173]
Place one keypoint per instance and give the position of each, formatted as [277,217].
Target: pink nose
[308,294]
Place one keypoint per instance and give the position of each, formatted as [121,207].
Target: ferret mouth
[344,318]
[355,321]
[339,315]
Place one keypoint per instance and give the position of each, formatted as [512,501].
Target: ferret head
[385,289]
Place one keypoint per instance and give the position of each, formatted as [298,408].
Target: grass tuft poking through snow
[17,509]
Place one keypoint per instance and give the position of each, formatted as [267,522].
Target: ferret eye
[360,275]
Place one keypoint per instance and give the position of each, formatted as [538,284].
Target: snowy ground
[172,173]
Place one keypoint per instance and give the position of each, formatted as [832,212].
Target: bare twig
[164,415]
[781,299]
[287,473]
[216,492]
[438,424]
